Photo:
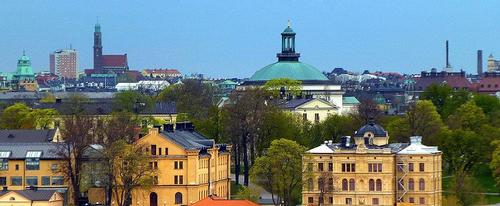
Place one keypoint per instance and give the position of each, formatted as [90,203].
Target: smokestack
[479,62]
[447,55]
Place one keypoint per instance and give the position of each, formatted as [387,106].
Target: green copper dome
[288,69]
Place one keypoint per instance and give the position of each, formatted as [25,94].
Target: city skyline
[220,39]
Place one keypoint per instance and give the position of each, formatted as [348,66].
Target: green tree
[17,117]
[463,149]
[248,194]
[279,171]
[44,118]
[49,98]
[336,126]
[489,104]
[467,190]
[468,116]
[132,101]
[438,95]
[290,87]
[495,162]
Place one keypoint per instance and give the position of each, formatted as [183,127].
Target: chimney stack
[447,56]
[479,62]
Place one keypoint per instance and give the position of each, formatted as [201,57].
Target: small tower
[97,46]
[491,63]
[288,45]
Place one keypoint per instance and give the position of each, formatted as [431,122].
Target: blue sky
[227,38]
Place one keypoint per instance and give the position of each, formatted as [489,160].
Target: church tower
[97,46]
[288,45]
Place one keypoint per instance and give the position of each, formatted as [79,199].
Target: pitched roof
[452,79]
[416,147]
[350,100]
[216,201]
[26,135]
[114,61]
[19,150]
[37,195]
[322,149]
[490,84]
[294,103]
[188,139]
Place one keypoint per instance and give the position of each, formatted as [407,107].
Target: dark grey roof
[293,103]
[376,129]
[33,195]
[188,139]
[106,108]
[24,135]
[19,150]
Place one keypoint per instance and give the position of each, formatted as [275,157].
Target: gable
[316,104]
[155,138]
[13,196]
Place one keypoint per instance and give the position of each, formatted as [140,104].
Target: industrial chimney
[448,66]
[479,63]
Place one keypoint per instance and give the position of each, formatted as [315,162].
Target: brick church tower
[97,47]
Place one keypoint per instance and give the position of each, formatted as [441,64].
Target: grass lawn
[487,182]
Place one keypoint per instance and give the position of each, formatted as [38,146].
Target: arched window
[421,184]
[379,185]
[178,198]
[310,184]
[352,185]
[411,184]
[153,199]
[321,184]
[371,185]
[344,185]
[330,184]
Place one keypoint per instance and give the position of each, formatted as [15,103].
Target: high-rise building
[63,63]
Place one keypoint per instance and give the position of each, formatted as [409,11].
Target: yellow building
[313,110]
[367,170]
[30,164]
[189,167]
[31,198]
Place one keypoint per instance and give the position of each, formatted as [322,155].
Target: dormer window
[4,160]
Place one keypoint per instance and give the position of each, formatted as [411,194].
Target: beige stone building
[312,110]
[368,170]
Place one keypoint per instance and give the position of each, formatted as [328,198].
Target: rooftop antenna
[289,23]
[24,52]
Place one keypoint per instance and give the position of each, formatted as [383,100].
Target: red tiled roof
[114,60]
[489,84]
[454,81]
[216,201]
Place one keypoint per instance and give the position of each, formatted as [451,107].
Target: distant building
[23,79]
[161,73]
[312,110]
[314,84]
[64,63]
[456,80]
[213,200]
[31,196]
[107,63]
[493,65]
[489,83]
[368,170]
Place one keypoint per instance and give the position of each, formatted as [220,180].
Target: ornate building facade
[368,170]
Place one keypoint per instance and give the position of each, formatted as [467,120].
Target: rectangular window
[370,165]
[4,164]
[320,200]
[153,149]
[411,200]
[379,167]
[316,117]
[310,200]
[421,167]
[330,200]
[348,201]
[32,164]
[422,200]
[181,179]
[16,180]
[304,117]
[176,180]
[181,165]
[410,167]
[166,151]
[45,180]
[353,167]
[155,180]
[343,167]
[3,181]
[57,180]
[348,167]
[176,165]
[31,180]
[155,165]
[159,151]
[330,167]
[375,201]
[320,167]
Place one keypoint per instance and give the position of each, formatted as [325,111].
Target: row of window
[372,167]
[349,201]
[159,150]
[411,184]
[178,179]
[178,165]
[316,117]
[32,180]
[31,164]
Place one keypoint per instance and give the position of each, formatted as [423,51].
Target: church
[114,64]
[314,84]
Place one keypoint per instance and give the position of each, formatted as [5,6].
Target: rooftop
[20,150]
[26,136]
[33,195]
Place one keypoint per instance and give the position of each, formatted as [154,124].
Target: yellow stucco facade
[367,170]
[315,110]
[12,198]
[184,175]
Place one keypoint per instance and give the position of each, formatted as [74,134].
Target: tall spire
[97,25]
